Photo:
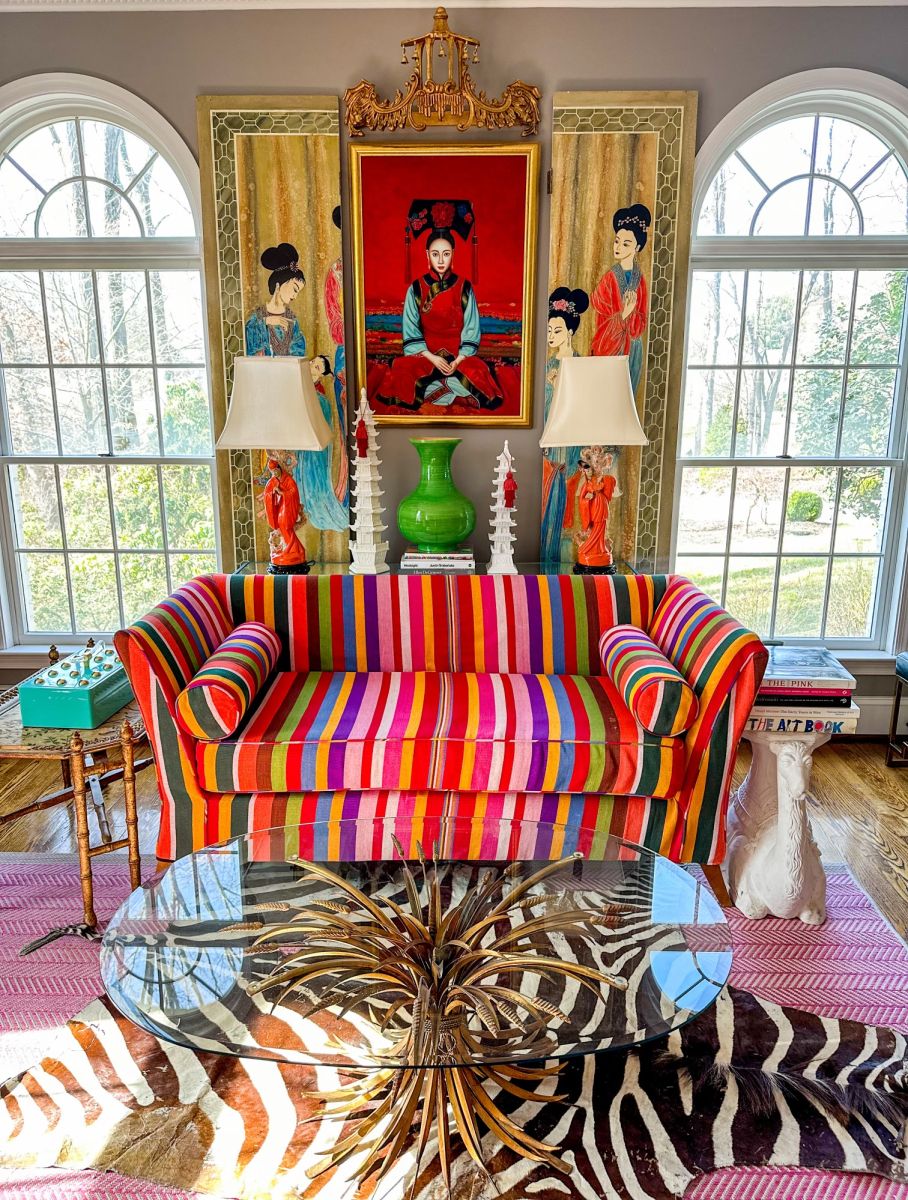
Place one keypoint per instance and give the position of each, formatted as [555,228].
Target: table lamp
[273,404]
[593,407]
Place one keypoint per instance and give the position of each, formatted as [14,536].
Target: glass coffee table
[432,986]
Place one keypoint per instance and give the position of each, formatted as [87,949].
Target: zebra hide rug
[748,1083]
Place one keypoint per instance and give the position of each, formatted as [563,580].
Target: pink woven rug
[853,966]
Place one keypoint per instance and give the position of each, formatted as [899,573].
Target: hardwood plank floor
[859,817]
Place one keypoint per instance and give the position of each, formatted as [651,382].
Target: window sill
[31,657]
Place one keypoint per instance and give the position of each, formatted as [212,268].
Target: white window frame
[880,105]
[26,105]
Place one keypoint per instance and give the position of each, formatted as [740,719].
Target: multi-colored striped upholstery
[656,693]
[181,632]
[483,628]
[217,698]
[724,663]
[330,730]
[527,624]
[546,826]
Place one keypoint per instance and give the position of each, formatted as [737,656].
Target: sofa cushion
[217,698]
[653,689]
[327,730]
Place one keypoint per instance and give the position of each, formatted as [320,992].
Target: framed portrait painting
[444,247]
[271,190]
[622,171]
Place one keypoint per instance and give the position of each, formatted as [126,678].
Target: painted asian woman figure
[441,331]
[558,462]
[621,300]
[273,329]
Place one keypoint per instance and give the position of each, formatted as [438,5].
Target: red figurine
[509,488]
[362,439]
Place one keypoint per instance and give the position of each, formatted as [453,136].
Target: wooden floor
[860,817]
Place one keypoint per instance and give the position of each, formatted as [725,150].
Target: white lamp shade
[593,405]
[274,406]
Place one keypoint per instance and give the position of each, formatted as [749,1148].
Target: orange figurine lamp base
[283,512]
[594,496]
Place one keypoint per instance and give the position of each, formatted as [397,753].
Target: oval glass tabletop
[551,942]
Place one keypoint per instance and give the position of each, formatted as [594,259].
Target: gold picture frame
[386,250]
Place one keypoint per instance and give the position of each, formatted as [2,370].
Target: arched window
[106,447]
[792,444]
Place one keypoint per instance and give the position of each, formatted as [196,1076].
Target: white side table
[773,863]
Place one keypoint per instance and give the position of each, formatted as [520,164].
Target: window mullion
[848,340]
[50,364]
[813,167]
[66,564]
[165,532]
[832,536]
[82,182]
[115,542]
[780,541]
[29,254]
[733,492]
[799,296]
[102,362]
[745,291]
[153,343]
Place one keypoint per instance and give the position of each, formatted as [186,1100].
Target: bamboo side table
[86,771]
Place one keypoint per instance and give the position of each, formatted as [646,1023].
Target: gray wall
[168,58]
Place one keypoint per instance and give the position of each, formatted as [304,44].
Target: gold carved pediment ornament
[441,91]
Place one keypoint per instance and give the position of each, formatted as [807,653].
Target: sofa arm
[724,664]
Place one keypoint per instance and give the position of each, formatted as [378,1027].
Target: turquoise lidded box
[79,692]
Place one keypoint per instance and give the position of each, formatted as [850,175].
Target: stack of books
[429,564]
[805,690]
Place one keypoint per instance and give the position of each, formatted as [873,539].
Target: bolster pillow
[655,691]
[218,696]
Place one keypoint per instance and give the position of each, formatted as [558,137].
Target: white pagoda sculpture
[501,531]
[368,549]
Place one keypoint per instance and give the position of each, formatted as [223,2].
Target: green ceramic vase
[436,518]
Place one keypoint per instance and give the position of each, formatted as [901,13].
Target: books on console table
[413,560]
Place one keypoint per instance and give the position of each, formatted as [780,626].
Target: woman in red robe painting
[441,333]
[620,300]
[596,488]
[283,510]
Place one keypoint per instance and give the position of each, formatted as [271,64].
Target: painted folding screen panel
[622,168]
[271,189]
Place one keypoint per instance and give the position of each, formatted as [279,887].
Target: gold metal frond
[445,988]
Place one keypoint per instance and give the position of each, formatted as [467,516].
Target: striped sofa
[479,696]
